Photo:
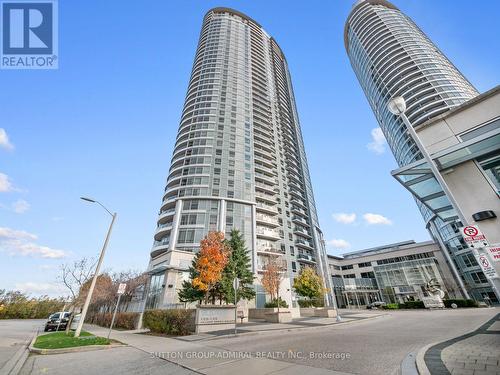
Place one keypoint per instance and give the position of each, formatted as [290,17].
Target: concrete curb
[16,362]
[420,362]
[75,349]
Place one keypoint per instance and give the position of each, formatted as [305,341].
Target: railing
[267,219]
[161,243]
[307,257]
[270,249]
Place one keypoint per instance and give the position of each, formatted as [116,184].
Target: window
[349,276]
[367,275]
[294,266]
[478,277]
[365,264]
[186,236]
[469,260]
[348,267]
[491,166]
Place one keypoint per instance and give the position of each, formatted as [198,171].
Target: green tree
[309,284]
[190,293]
[238,265]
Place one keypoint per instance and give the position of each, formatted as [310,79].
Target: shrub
[460,302]
[412,305]
[17,305]
[124,320]
[178,322]
[274,303]
[316,302]
[391,306]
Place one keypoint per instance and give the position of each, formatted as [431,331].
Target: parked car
[57,320]
[376,305]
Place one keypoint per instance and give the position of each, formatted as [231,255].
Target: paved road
[118,361]
[13,334]
[376,346]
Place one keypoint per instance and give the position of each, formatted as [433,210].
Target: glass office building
[239,159]
[392,57]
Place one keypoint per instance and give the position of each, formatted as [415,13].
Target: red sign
[473,236]
[471,231]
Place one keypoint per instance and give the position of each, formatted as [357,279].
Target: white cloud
[5,184]
[41,288]
[344,218]
[377,145]
[20,206]
[4,140]
[376,219]
[338,243]
[8,233]
[19,242]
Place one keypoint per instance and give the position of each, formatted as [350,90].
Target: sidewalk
[197,354]
[475,353]
[257,326]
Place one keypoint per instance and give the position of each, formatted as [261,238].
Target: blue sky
[104,125]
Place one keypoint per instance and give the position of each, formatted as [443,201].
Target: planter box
[322,312]
[210,318]
[261,313]
[279,317]
[325,312]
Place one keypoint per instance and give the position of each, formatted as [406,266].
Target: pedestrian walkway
[196,353]
[256,326]
[475,353]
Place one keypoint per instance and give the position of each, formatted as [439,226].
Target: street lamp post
[397,106]
[97,269]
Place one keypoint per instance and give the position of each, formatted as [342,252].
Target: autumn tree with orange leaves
[273,276]
[212,258]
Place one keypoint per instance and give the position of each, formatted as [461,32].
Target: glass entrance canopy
[419,180]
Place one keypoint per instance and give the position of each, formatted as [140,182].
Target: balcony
[299,211]
[166,213]
[267,188]
[263,146]
[268,198]
[160,247]
[268,162]
[306,258]
[270,251]
[302,221]
[304,244]
[266,220]
[267,208]
[261,168]
[168,202]
[162,229]
[302,232]
[296,193]
[262,177]
[270,234]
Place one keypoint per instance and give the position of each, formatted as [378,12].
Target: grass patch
[59,340]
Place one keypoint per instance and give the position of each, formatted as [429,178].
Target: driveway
[14,334]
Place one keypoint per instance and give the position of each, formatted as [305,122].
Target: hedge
[460,302]
[274,303]
[412,305]
[391,306]
[124,320]
[318,302]
[178,322]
